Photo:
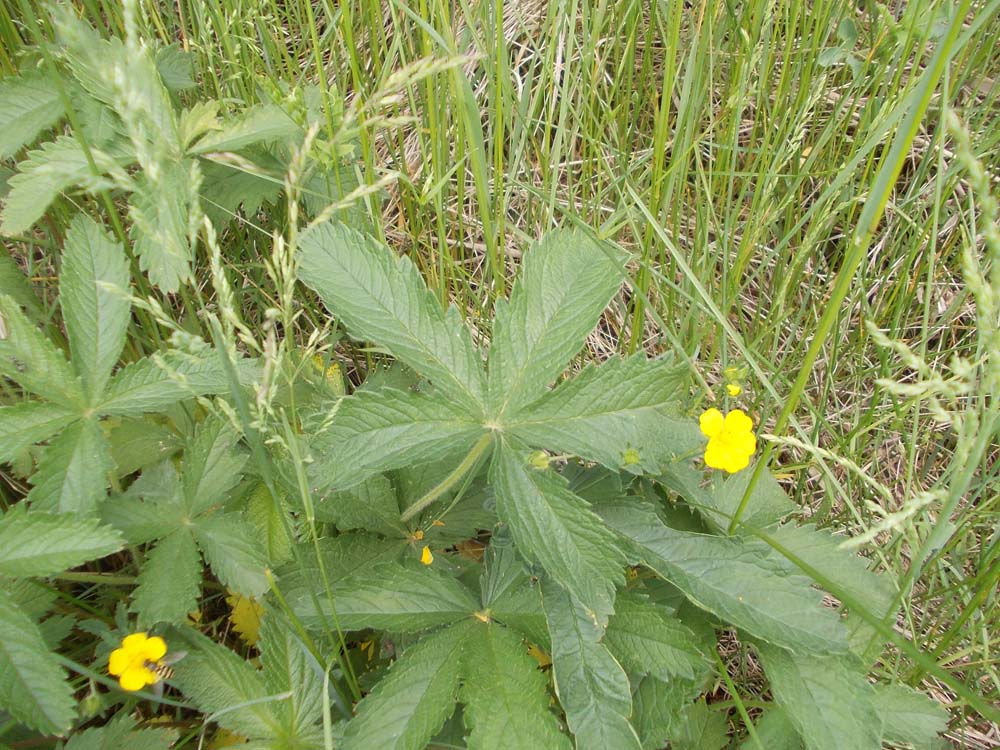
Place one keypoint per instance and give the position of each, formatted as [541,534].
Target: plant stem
[449,481]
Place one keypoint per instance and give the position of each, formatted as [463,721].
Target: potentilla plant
[607,553]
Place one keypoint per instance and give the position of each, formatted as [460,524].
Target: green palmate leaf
[647,639]
[743,582]
[47,172]
[31,105]
[29,358]
[144,520]
[775,732]
[175,68]
[557,529]
[170,581]
[264,123]
[610,408]
[909,717]
[371,505]
[212,465]
[376,432]
[592,687]
[821,550]
[411,703]
[153,385]
[227,187]
[768,503]
[33,687]
[233,552]
[701,728]
[343,556]
[165,222]
[99,124]
[27,423]
[827,699]
[120,733]
[401,598]
[506,697]
[139,442]
[266,516]
[566,281]
[382,298]
[290,668]
[96,318]
[72,475]
[658,709]
[520,607]
[38,544]
[16,285]
[143,103]
[227,687]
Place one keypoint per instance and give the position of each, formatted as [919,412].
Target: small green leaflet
[49,171]
[31,104]
[506,697]
[164,222]
[95,315]
[169,582]
[557,529]
[592,687]
[608,409]
[29,358]
[290,669]
[911,717]
[374,432]
[72,475]
[33,687]
[260,124]
[401,598]
[29,422]
[849,572]
[120,733]
[566,281]
[227,687]
[827,699]
[39,545]
[741,581]
[381,298]
[411,703]
[646,639]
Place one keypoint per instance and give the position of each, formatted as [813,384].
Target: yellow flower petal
[733,389]
[715,454]
[134,641]
[425,556]
[155,648]
[745,443]
[711,422]
[118,661]
[737,462]
[134,678]
[737,421]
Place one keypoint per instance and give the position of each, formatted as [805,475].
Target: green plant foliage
[186,514]
[621,414]
[73,472]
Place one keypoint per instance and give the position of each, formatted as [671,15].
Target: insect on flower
[142,660]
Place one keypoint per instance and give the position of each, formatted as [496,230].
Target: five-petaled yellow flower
[134,663]
[425,556]
[731,441]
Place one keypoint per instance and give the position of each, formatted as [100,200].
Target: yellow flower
[425,556]
[134,662]
[733,389]
[730,439]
